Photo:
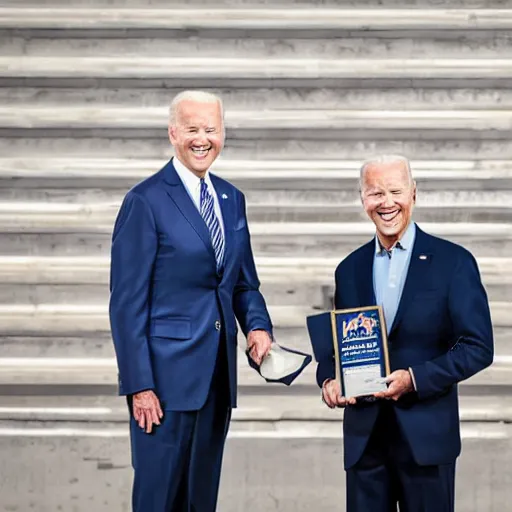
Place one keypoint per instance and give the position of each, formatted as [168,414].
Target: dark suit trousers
[177,467]
[387,475]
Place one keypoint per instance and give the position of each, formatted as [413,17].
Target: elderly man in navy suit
[182,269]
[402,444]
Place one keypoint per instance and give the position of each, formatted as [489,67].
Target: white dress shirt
[192,185]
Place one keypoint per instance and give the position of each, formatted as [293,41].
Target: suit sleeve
[474,347]
[134,246]
[248,302]
[326,369]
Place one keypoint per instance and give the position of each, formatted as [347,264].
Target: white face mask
[279,363]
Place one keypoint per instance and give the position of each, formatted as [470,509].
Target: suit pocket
[176,328]
[240,225]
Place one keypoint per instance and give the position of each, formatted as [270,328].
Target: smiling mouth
[200,151]
[388,216]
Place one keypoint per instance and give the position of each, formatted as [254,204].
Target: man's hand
[147,410]
[400,383]
[331,395]
[258,344]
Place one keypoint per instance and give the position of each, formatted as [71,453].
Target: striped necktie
[212,222]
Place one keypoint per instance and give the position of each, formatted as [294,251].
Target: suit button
[217,325]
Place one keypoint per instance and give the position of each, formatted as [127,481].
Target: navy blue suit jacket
[442,330]
[167,298]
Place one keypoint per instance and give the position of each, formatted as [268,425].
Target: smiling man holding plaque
[411,321]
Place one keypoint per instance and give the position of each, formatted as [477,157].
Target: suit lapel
[418,274]
[177,192]
[227,207]
[365,275]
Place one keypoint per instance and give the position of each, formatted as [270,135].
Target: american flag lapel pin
[224,196]
[423,256]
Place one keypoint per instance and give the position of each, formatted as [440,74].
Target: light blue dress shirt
[390,272]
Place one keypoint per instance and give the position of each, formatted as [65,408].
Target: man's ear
[171,130]
[414,193]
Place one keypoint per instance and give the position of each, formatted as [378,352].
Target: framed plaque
[361,350]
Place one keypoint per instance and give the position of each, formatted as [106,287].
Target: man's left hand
[258,344]
[400,383]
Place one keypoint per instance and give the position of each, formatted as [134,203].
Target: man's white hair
[384,159]
[199,96]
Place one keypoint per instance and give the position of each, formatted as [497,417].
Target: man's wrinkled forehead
[386,174]
[188,111]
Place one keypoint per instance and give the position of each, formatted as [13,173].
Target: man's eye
[210,130]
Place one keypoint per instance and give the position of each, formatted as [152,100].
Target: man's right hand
[331,395]
[147,410]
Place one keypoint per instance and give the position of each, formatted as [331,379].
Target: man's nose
[201,138]
[388,200]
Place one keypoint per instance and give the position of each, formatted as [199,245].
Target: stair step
[313,4]
[315,292]
[248,71]
[26,371]
[292,281]
[95,270]
[364,96]
[313,239]
[269,466]
[447,183]
[265,407]
[70,218]
[320,171]
[437,201]
[151,122]
[95,344]
[347,213]
[259,44]
[151,117]
[99,344]
[30,217]
[70,319]
[261,148]
[255,19]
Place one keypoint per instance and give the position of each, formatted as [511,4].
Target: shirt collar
[405,243]
[189,179]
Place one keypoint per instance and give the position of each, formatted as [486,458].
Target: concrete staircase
[310,89]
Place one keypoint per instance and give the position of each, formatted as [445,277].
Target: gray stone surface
[288,472]
[89,373]
[276,208]
[312,45]
[266,19]
[342,4]
[99,344]
[365,96]
[271,405]
[65,318]
[256,69]
[286,280]
[268,239]
[265,148]
[430,172]
[129,122]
